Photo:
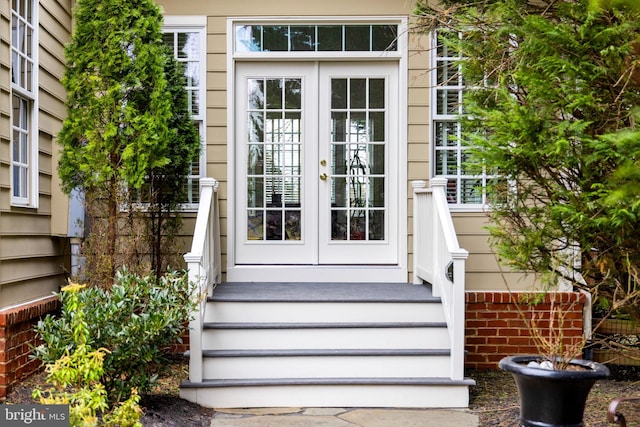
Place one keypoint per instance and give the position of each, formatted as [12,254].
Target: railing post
[203,263]
[195,324]
[213,253]
[418,232]
[458,314]
[438,187]
[456,294]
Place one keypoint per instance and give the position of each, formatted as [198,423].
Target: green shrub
[74,378]
[134,321]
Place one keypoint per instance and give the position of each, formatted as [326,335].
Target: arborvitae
[119,112]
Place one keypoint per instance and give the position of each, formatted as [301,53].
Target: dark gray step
[322,352]
[322,292]
[322,325]
[251,382]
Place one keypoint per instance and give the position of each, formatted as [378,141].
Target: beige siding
[33,247]
[483,272]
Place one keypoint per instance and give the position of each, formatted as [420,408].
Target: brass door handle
[323,176]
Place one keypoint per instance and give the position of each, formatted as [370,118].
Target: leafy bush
[75,377]
[134,321]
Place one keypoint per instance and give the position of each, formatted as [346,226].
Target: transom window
[24,147]
[449,153]
[316,38]
[187,43]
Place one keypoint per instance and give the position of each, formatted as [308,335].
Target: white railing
[439,260]
[204,267]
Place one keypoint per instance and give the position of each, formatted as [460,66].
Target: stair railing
[204,266]
[439,260]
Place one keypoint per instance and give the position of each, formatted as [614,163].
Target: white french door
[316,163]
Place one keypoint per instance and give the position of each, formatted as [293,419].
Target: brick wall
[16,336]
[496,328]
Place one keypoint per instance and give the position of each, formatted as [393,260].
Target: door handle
[323,176]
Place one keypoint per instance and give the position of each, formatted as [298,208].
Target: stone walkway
[343,417]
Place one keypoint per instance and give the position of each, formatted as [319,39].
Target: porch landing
[323,292]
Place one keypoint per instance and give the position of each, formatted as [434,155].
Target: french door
[316,163]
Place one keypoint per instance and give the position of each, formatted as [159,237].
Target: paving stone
[410,418]
[324,411]
[259,411]
[225,416]
[284,421]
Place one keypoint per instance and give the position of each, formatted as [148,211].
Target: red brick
[504,319]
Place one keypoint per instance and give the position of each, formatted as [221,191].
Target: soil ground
[494,399]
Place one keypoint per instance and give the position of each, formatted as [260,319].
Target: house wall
[483,272]
[33,245]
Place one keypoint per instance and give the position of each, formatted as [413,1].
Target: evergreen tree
[119,108]
[552,110]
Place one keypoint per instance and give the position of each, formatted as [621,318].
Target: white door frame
[322,273]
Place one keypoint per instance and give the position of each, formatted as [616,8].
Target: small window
[187,44]
[316,38]
[24,142]
[450,155]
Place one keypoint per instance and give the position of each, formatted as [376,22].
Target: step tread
[325,352]
[323,292]
[320,325]
[256,382]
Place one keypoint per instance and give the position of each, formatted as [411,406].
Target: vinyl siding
[33,247]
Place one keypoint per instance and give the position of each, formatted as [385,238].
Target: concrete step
[225,336]
[329,392]
[325,311]
[316,363]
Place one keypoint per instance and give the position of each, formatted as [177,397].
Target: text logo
[34,415]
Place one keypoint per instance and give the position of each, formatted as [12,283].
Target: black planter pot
[551,398]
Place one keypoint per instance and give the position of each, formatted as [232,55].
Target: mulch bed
[494,399]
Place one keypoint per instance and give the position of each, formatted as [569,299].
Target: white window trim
[31,201]
[195,23]
[393,273]
[434,117]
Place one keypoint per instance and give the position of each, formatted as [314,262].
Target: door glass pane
[338,126]
[376,93]
[339,159]
[338,224]
[338,93]
[255,224]
[358,167]
[255,194]
[358,93]
[376,159]
[358,129]
[274,159]
[274,94]
[376,126]
[376,225]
